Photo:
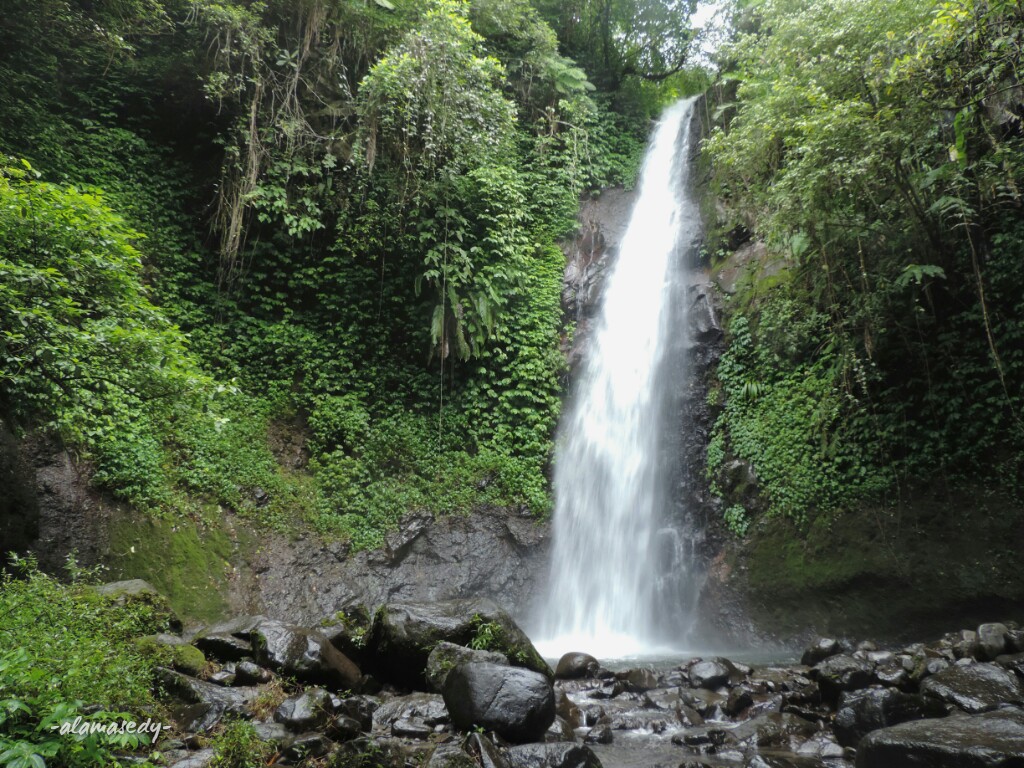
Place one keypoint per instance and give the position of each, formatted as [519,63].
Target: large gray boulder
[204,704]
[711,673]
[862,712]
[975,688]
[575,665]
[822,648]
[837,674]
[518,704]
[555,755]
[991,641]
[991,740]
[303,654]
[446,656]
[404,634]
[305,711]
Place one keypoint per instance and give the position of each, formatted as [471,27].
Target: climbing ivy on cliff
[332,221]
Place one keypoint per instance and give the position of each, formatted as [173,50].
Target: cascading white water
[610,527]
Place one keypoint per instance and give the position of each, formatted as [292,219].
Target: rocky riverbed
[456,684]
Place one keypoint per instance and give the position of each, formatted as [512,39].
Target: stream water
[620,565]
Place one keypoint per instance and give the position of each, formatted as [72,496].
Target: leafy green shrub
[82,345]
[785,414]
[487,635]
[68,648]
[239,746]
[736,520]
[901,363]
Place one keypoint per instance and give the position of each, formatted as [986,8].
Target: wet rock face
[991,740]
[518,704]
[404,635]
[494,552]
[48,507]
[975,688]
[603,221]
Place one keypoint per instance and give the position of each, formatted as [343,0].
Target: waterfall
[618,561]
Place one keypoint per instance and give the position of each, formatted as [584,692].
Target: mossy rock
[140,595]
[349,630]
[446,656]
[186,561]
[887,572]
[172,651]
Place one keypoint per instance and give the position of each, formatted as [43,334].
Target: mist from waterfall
[619,562]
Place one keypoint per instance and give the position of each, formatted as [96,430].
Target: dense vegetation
[337,219]
[69,651]
[877,148]
[330,223]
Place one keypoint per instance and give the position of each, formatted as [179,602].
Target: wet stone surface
[950,703]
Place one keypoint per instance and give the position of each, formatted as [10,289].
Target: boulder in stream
[974,688]
[575,665]
[991,740]
[404,634]
[821,649]
[711,674]
[517,704]
[862,712]
[841,673]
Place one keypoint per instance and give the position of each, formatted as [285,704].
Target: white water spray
[613,546]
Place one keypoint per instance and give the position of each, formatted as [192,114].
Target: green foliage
[86,352]
[69,648]
[492,636]
[406,465]
[432,103]
[618,39]
[790,424]
[239,746]
[80,337]
[868,144]
[736,520]
[486,634]
[350,210]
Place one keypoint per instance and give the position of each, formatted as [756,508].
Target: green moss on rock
[170,651]
[187,562]
[887,571]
